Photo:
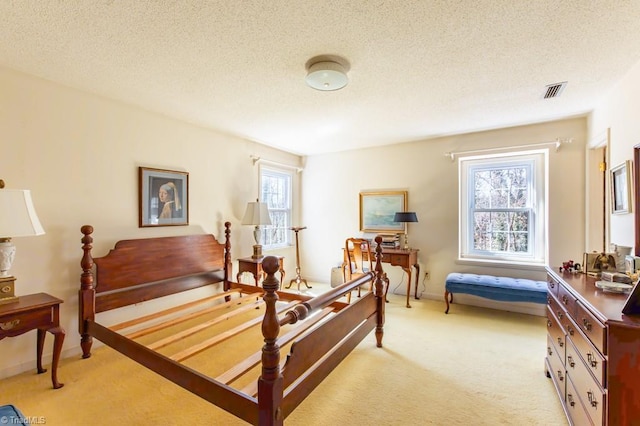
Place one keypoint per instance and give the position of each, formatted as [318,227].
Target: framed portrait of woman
[164,197]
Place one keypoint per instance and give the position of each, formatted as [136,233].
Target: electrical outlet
[427,276]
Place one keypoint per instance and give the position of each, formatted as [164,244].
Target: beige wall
[332,183]
[618,111]
[79,155]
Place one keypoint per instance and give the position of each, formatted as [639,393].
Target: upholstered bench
[503,289]
[10,415]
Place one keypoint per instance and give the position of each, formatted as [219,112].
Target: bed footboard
[314,356]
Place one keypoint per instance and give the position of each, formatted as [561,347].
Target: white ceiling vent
[555,90]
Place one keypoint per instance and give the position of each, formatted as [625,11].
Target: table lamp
[405,217]
[257,214]
[18,218]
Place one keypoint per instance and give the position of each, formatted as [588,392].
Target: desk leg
[408,271]
[41,336]
[58,340]
[417,278]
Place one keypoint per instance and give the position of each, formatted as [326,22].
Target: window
[503,205]
[275,190]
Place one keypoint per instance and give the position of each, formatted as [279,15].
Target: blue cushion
[10,415]
[504,289]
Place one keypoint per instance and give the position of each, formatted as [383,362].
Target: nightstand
[254,266]
[35,311]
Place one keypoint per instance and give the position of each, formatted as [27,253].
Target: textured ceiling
[418,69]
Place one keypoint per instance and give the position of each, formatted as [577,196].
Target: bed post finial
[87,293]
[227,256]
[379,293]
[270,383]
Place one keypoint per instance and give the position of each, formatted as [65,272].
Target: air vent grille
[555,90]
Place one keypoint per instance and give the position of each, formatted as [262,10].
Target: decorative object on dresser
[258,388]
[298,278]
[163,197]
[18,218]
[596,262]
[257,214]
[35,311]
[592,351]
[405,217]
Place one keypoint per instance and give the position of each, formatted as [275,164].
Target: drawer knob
[592,399]
[592,359]
[560,342]
[560,376]
[571,362]
[586,324]
[6,326]
[549,323]
[565,300]
[560,314]
[570,399]
[570,330]
[549,351]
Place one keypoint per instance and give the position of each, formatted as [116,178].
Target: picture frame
[621,188]
[163,197]
[378,208]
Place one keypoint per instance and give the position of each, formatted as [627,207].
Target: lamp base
[257,251]
[7,290]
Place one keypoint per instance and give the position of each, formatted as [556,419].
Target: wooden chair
[359,260]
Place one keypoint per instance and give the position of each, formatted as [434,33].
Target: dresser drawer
[555,332]
[591,327]
[576,411]
[586,387]
[552,286]
[567,301]
[595,362]
[12,325]
[556,370]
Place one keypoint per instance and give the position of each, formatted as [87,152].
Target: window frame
[537,206]
[278,172]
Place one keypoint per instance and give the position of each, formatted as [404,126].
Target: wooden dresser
[593,352]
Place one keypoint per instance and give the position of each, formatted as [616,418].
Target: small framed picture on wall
[621,188]
[164,197]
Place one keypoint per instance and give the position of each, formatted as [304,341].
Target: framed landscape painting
[164,197]
[377,210]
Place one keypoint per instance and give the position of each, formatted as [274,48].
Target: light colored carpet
[473,366]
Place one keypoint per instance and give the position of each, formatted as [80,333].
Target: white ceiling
[418,69]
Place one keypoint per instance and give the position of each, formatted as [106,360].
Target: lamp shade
[405,217]
[256,214]
[18,217]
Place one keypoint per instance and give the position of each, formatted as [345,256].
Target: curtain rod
[557,143]
[257,160]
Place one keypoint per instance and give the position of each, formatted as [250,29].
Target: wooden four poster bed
[311,334]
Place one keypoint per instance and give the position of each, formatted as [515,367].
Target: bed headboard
[143,269]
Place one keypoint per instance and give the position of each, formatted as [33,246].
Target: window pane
[501,231]
[276,192]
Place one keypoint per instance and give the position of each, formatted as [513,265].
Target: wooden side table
[254,266]
[36,311]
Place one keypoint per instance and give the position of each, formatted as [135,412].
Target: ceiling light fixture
[327,76]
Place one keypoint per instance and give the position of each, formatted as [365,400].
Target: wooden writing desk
[35,311]
[406,259]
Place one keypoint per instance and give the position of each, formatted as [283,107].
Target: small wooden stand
[298,279]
